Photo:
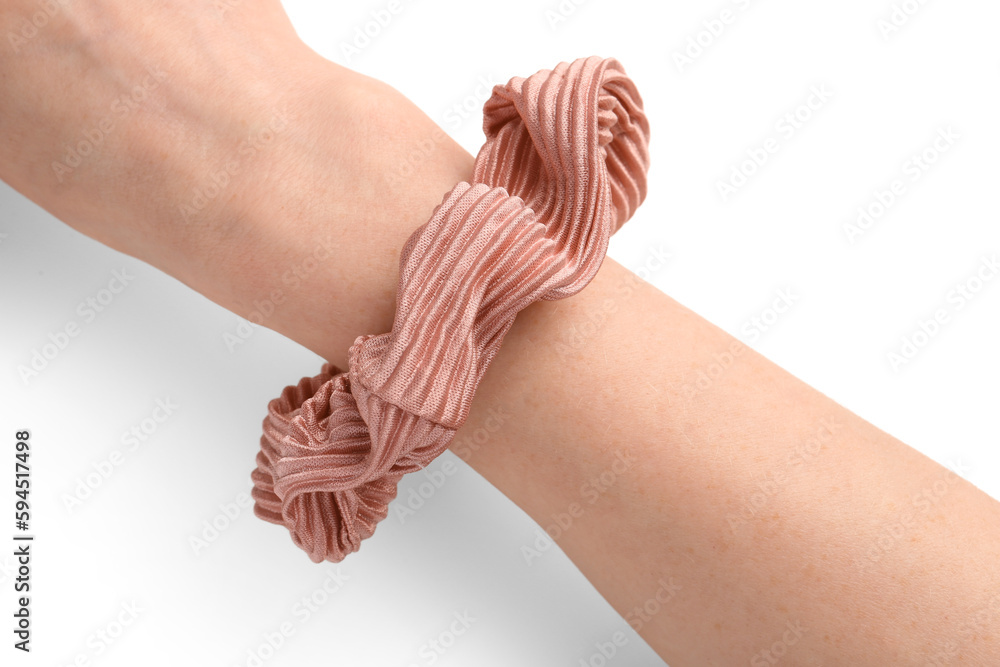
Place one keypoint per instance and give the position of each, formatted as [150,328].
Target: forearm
[752,500]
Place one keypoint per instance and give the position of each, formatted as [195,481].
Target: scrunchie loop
[563,167]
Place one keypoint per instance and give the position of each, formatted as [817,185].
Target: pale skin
[757,513]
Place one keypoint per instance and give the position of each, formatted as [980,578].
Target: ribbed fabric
[563,167]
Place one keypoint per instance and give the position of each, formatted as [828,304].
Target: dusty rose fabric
[563,167]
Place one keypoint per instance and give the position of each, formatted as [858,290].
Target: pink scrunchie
[563,167]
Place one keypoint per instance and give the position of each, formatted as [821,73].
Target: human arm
[701,457]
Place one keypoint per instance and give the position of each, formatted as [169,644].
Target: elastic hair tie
[563,167]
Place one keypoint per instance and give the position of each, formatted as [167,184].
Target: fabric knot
[563,167]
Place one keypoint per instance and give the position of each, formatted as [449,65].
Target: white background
[784,229]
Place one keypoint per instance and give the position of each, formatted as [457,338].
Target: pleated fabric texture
[563,167]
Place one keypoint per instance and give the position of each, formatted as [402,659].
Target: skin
[683,473]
